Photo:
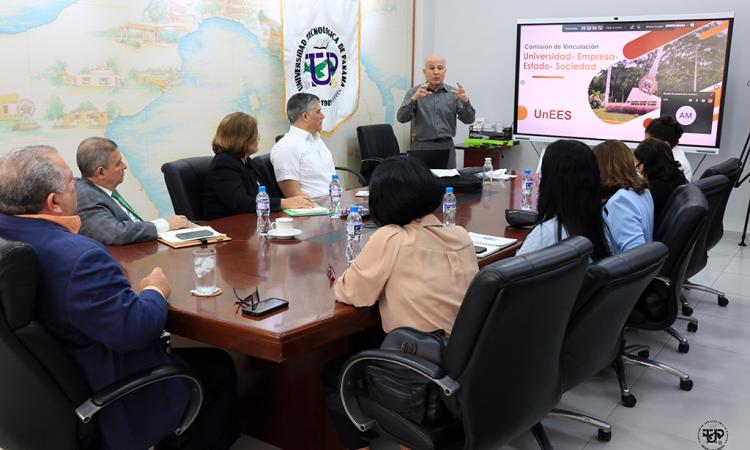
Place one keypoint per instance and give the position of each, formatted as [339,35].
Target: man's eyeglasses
[251,300]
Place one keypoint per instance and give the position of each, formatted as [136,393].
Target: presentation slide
[601,79]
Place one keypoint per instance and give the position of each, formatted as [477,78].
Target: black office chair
[263,166]
[46,403]
[376,143]
[732,169]
[360,178]
[500,370]
[683,218]
[592,341]
[434,158]
[716,188]
[184,179]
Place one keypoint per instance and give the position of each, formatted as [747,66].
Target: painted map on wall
[157,77]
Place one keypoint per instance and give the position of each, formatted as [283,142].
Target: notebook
[317,210]
[187,237]
[491,243]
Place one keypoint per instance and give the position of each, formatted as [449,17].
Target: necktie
[116,195]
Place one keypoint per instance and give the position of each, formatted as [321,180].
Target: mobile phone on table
[265,307]
[193,234]
[479,249]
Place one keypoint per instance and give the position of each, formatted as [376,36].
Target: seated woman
[231,184]
[416,269]
[670,131]
[654,159]
[569,199]
[628,207]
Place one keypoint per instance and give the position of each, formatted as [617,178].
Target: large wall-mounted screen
[597,78]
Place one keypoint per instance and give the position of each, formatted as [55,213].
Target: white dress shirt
[303,157]
[161,224]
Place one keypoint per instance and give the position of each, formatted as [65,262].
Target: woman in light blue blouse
[628,207]
[569,199]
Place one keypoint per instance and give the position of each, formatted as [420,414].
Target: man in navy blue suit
[108,329]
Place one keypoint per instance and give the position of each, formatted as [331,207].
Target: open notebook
[491,244]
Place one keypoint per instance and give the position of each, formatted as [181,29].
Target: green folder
[317,210]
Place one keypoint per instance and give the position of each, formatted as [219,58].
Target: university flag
[320,41]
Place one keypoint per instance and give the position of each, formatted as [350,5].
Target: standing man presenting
[433,107]
[105,215]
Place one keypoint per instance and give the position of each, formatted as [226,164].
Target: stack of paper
[499,174]
[187,237]
[316,210]
[490,243]
[445,173]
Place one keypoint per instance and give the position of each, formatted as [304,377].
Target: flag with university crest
[321,54]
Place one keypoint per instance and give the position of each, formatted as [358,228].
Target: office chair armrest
[362,181]
[421,366]
[122,388]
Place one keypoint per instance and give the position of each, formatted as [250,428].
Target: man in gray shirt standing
[433,107]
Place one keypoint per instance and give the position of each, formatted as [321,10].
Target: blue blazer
[105,327]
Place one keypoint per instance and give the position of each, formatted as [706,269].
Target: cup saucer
[285,234]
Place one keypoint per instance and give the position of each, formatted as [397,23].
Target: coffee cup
[283,225]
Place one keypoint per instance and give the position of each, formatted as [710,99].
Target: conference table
[279,356]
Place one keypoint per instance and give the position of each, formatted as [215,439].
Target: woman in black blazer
[653,157]
[232,183]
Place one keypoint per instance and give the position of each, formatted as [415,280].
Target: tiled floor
[666,417]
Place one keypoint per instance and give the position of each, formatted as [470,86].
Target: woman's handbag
[404,391]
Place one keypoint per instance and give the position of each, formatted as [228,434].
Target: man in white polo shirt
[301,161]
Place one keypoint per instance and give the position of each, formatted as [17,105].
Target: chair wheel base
[723,301]
[692,327]
[644,354]
[687,310]
[684,347]
[686,385]
[627,401]
[604,435]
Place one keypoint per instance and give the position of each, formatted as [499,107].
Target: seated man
[105,215]
[107,329]
[302,162]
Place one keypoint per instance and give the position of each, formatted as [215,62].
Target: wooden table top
[294,270]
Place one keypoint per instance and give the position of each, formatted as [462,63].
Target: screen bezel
[708,149]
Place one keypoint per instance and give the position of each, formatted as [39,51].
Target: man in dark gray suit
[105,215]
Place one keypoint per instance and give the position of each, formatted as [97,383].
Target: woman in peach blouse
[413,267]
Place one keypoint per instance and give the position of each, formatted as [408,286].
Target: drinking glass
[204,265]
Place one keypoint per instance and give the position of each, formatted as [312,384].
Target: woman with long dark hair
[569,201]
[653,158]
[628,207]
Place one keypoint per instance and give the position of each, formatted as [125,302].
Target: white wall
[479,40]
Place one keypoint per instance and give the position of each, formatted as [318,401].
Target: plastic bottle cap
[527,171]
[261,189]
[334,177]
[449,190]
[487,159]
[353,209]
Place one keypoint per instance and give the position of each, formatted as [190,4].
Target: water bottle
[449,208]
[263,210]
[353,233]
[487,172]
[334,195]
[527,185]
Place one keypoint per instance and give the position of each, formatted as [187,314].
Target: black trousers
[217,425]
[349,435]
